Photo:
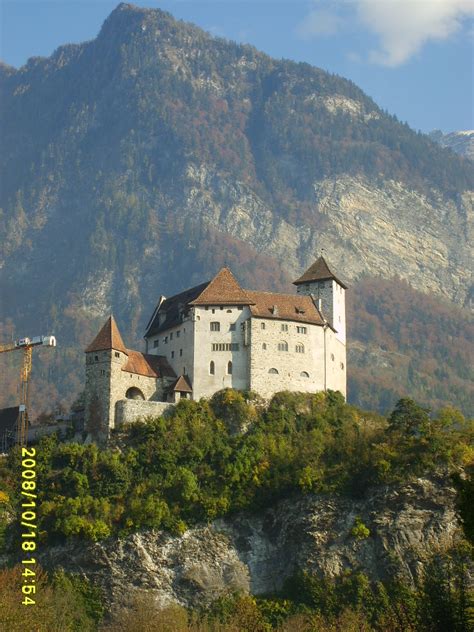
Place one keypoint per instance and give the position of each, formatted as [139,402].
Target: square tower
[328,292]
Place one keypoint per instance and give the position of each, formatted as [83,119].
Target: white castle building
[218,335]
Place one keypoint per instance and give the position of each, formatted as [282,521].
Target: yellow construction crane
[25,344]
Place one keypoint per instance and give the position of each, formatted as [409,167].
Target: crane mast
[25,344]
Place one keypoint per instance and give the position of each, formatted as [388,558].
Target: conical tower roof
[224,289]
[319,271]
[108,338]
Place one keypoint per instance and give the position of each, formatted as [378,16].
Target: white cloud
[402,26]
[319,22]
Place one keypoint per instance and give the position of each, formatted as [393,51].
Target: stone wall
[129,410]
[204,383]
[291,366]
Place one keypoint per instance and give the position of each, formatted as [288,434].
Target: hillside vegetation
[190,467]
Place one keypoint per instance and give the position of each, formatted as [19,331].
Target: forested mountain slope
[138,163]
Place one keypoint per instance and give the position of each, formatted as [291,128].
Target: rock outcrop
[257,553]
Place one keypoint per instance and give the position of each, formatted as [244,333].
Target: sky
[413,57]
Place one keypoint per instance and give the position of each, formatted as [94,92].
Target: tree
[409,418]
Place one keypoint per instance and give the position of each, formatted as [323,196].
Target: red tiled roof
[108,338]
[182,385]
[147,365]
[224,289]
[297,307]
[319,271]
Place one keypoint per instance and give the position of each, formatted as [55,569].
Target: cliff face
[257,553]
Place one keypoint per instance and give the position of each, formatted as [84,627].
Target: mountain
[138,163]
[460,142]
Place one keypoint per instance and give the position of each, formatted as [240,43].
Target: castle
[218,335]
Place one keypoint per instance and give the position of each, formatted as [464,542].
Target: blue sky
[414,57]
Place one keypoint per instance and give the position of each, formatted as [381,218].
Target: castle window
[212,368]
[134,393]
[96,358]
[171,336]
[232,327]
[284,327]
[213,311]
[273,371]
[264,346]
[184,370]
[229,311]
[262,325]
[299,348]
[178,333]
[304,374]
[180,352]
[225,346]
[332,357]
[172,354]
[283,346]
[206,308]
[156,343]
[117,354]
[342,366]
[229,368]
[166,340]
[302,330]
[102,372]
[215,326]
[221,307]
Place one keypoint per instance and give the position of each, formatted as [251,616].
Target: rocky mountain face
[460,142]
[257,553]
[136,164]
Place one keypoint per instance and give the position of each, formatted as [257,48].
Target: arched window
[283,346]
[212,368]
[299,348]
[215,325]
[273,371]
[304,374]
[229,367]
[134,393]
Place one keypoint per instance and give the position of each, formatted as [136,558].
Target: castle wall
[130,410]
[177,345]
[204,383]
[336,367]
[289,364]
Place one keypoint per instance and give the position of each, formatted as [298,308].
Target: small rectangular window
[302,330]
[166,340]
[262,325]
[232,327]
[117,354]
[180,352]
[171,336]
[284,327]
[156,343]
[172,354]
[178,333]
[215,326]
